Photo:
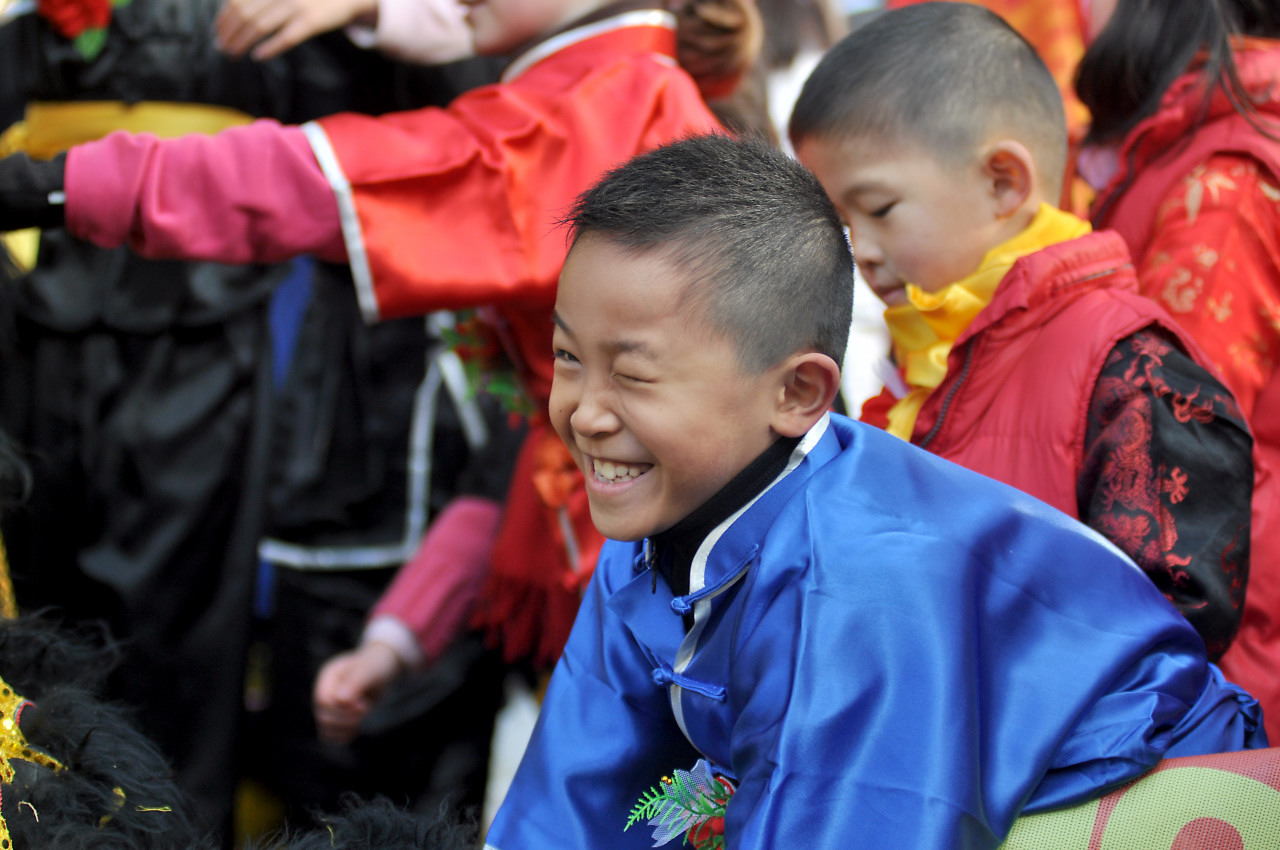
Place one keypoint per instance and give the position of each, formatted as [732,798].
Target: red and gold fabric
[1197,199]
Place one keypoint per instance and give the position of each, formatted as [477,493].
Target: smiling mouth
[613,472]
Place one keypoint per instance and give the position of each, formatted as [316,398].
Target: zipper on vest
[946,402]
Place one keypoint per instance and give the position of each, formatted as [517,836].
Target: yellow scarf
[924,329]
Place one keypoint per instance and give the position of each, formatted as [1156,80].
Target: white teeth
[609,471]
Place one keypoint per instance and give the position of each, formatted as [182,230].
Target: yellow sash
[923,330]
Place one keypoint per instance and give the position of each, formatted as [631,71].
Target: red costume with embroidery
[1052,390]
[1198,202]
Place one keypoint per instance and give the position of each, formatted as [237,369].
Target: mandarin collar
[680,543]
[724,556]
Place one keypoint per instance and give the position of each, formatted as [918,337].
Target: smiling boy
[859,637]
[1025,350]
[657,413]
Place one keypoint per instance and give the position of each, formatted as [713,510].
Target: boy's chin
[617,531]
[615,528]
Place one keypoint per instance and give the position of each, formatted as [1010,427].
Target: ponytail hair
[1148,44]
[717,42]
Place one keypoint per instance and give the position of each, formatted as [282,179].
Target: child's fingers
[332,689]
[243,25]
[338,726]
[286,38]
[230,23]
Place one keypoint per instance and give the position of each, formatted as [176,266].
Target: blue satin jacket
[887,650]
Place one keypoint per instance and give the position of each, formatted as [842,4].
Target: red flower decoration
[73,17]
[703,834]
[692,804]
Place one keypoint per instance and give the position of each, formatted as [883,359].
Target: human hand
[717,41]
[279,25]
[348,686]
[31,192]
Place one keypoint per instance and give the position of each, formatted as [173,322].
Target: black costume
[161,447]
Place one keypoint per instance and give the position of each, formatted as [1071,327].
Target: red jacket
[474,195]
[1015,400]
[435,209]
[1199,206]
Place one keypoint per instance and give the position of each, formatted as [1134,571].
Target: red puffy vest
[1015,401]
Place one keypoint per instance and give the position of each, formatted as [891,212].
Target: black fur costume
[116,790]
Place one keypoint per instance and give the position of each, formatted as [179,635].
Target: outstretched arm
[261,195]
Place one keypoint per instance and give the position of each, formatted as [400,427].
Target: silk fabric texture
[884,654]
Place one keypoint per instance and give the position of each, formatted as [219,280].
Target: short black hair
[769,263]
[941,76]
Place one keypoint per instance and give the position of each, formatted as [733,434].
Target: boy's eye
[561,354]
[881,212]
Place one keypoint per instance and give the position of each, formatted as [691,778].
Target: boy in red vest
[1024,349]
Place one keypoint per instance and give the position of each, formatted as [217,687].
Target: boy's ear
[1011,170]
[810,382]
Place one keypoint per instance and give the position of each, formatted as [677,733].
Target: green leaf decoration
[689,804]
[90,42]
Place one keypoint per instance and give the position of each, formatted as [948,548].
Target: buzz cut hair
[944,77]
[767,261]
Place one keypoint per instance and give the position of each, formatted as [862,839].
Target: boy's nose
[866,251]
[593,416]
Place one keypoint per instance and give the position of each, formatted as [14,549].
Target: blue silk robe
[887,651]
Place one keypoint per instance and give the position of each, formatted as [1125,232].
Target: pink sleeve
[248,194]
[434,592]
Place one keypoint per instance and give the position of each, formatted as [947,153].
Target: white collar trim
[638,18]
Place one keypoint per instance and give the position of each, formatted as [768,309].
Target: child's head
[938,132]
[701,314]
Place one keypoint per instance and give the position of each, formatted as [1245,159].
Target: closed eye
[883,211]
